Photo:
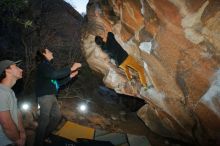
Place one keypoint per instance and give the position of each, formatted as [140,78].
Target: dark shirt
[44,76]
[114,49]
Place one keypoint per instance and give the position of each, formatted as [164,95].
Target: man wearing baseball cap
[12,132]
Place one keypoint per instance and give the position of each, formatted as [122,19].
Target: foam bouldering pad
[72,131]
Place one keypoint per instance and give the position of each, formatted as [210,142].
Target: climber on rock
[121,57]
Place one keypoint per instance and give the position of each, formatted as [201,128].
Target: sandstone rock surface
[177,42]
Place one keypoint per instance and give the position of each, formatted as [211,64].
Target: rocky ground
[107,111]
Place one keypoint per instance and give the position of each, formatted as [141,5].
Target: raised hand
[73,74]
[75,66]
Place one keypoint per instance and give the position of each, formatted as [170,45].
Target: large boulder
[177,43]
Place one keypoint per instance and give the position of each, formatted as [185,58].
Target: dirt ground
[115,113]
[114,117]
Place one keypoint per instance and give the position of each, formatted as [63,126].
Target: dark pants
[50,116]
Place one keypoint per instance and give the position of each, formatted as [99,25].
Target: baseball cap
[6,63]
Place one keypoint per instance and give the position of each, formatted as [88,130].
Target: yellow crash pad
[73,131]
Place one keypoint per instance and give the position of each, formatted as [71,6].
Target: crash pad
[72,131]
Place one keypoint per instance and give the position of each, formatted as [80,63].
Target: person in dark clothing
[121,57]
[48,81]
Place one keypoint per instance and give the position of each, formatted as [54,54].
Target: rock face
[177,42]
